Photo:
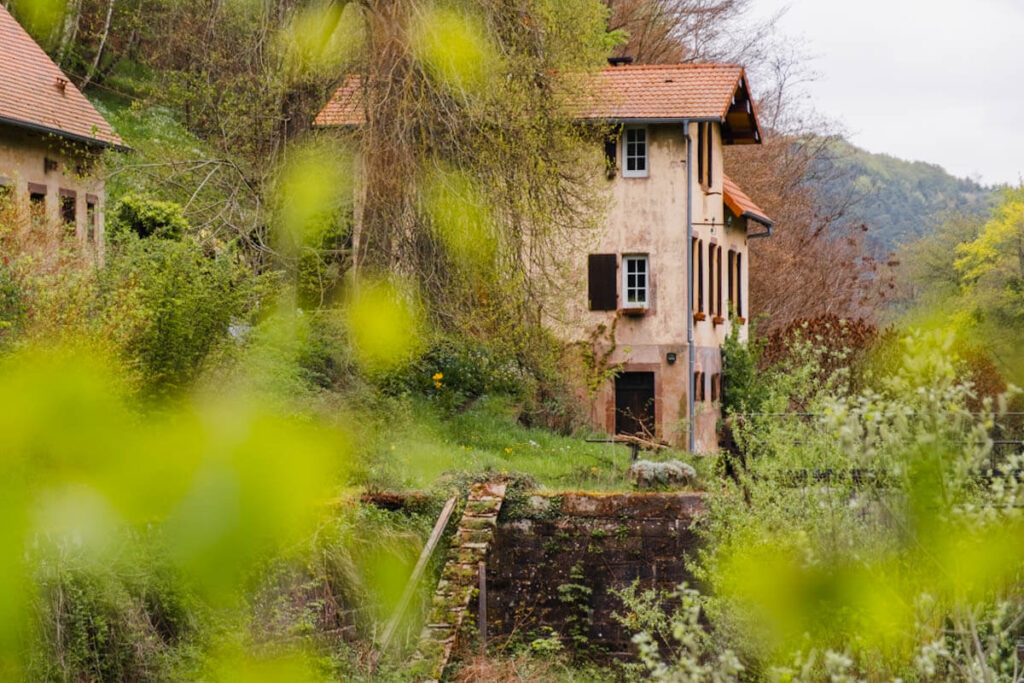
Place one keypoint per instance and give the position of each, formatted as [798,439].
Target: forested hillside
[898,200]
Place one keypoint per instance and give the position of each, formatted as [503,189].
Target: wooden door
[634,404]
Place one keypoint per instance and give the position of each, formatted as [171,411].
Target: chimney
[619,61]
[62,85]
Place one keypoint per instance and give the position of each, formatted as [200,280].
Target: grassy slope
[414,445]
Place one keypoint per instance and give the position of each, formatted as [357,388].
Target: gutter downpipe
[769,227]
[690,351]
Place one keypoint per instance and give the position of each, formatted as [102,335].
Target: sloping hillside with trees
[899,201]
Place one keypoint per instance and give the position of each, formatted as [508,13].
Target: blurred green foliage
[868,535]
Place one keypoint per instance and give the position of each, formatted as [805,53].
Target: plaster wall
[648,216]
[22,162]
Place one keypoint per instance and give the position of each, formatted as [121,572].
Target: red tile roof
[30,93]
[664,91]
[643,92]
[740,204]
[345,107]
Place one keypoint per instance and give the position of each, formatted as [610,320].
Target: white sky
[925,80]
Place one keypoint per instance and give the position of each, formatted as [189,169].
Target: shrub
[168,305]
[13,310]
[144,218]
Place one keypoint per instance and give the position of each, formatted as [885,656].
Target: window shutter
[710,138]
[603,282]
[700,153]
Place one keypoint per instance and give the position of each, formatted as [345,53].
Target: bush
[13,310]
[455,370]
[144,218]
[168,305]
[864,539]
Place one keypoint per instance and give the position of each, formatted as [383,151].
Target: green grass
[412,445]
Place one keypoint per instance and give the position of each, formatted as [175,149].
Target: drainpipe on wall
[691,352]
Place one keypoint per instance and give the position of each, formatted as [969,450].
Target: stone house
[50,139]
[670,272]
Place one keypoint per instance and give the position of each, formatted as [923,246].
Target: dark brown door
[634,403]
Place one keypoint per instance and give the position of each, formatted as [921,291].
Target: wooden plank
[417,572]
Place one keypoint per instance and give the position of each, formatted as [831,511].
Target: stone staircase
[459,580]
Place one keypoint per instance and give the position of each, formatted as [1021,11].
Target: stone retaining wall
[585,544]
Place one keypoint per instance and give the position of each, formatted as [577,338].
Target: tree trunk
[72,15]
[94,67]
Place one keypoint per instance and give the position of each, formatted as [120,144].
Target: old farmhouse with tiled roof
[670,271]
[50,137]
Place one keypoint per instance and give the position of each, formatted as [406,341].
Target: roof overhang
[741,205]
[739,123]
[46,130]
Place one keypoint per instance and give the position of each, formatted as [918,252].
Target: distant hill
[899,200]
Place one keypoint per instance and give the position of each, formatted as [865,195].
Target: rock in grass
[656,475]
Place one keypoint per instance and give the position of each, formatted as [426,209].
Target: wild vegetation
[188,423]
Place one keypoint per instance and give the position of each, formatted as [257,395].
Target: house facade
[668,276]
[50,140]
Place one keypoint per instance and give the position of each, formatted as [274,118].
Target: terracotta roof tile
[671,91]
[30,94]
[344,107]
[740,204]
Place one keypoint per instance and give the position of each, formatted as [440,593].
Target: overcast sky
[926,80]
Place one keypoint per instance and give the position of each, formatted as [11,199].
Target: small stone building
[50,140]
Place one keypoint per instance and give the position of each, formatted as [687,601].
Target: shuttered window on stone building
[602,282]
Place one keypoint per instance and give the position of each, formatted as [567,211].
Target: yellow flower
[438,376]
[509,451]
[437,384]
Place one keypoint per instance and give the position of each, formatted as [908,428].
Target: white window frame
[627,261]
[626,172]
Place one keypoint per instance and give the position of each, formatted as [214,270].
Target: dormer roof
[644,93]
[36,94]
[742,206]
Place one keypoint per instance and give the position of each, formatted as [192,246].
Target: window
[739,285]
[718,282]
[635,281]
[701,134]
[705,154]
[732,281]
[698,275]
[699,393]
[716,387]
[601,282]
[634,153]
[91,217]
[709,141]
[69,209]
[37,204]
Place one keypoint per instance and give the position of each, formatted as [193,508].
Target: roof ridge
[681,65]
